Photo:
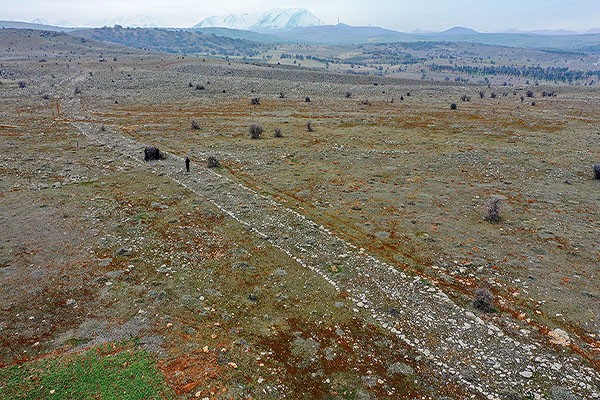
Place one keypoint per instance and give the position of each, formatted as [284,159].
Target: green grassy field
[107,372]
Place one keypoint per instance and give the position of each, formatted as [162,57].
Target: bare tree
[492,210]
[483,300]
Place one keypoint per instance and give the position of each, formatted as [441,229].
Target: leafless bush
[483,300]
[278,133]
[530,93]
[195,124]
[309,127]
[22,85]
[465,98]
[348,95]
[493,95]
[152,153]
[453,106]
[481,94]
[596,168]
[307,99]
[102,128]
[255,101]
[492,210]
[256,131]
[212,162]
[281,95]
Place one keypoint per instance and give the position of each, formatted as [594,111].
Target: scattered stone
[242,265]
[400,368]
[526,374]
[104,262]
[560,337]
[394,312]
[330,353]
[305,349]
[124,252]
[370,380]
[560,393]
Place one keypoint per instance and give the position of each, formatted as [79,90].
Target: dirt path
[476,353]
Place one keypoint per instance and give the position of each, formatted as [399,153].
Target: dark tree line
[556,74]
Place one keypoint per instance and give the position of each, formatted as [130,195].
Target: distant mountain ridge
[337,34]
[275,19]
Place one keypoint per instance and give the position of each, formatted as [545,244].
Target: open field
[338,263]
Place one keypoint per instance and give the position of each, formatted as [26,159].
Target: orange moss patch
[197,370]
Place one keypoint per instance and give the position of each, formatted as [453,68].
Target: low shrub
[483,300]
[492,211]
[212,162]
[256,131]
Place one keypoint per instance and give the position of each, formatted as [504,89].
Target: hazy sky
[403,15]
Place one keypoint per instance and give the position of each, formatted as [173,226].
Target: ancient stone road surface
[475,353]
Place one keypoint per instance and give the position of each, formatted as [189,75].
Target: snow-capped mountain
[232,21]
[275,19]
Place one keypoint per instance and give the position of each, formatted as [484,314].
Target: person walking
[187,164]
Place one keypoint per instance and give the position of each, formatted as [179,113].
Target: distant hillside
[37,27]
[458,30]
[346,34]
[174,41]
[225,41]
[343,34]
[568,43]
[237,34]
